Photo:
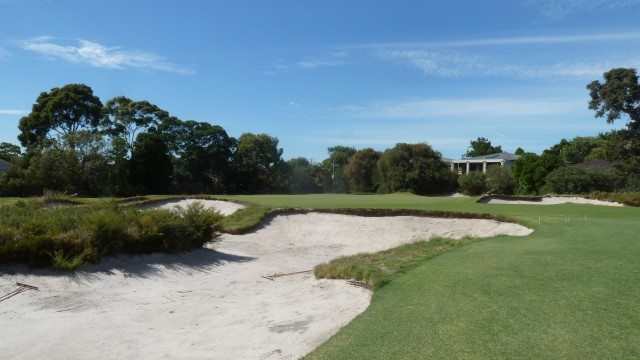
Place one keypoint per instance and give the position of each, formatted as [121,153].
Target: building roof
[497,156]
[5,165]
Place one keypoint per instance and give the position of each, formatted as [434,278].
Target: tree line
[76,144]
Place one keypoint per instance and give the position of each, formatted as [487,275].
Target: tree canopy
[125,117]
[480,147]
[58,112]
[413,167]
[618,95]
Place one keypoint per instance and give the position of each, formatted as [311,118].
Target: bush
[573,180]
[68,237]
[499,180]
[472,183]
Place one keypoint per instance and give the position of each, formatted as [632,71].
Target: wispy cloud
[451,64]
[554,10]
[333,59]
[505,41]
[12,112]
[493,108]
[97,55]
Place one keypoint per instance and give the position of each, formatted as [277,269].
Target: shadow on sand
[144,266]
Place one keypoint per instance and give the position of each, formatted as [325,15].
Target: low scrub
[67,237]
[377,269]
[627,198]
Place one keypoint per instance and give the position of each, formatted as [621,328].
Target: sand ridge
[212,303]
[552,200]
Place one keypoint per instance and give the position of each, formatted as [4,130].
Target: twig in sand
[359,283]
[275,275]
[21,288]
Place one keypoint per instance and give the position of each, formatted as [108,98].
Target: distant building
[480,163]
[5,165]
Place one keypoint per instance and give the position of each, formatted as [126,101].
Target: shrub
[472,183]
[499,180]
[573,180]
[68,237]
[201,225]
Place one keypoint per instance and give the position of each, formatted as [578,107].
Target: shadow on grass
[140,266]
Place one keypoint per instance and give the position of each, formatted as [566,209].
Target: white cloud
[97,55]
[11,112]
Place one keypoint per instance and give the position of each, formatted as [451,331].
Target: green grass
[568,291]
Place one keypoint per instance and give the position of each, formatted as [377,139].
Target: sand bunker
[550,200]
[211,303]
[225,208]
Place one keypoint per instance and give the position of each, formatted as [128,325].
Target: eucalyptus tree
[361,171]
[619,95]
[616,98]
[151,167]
[204,154]
[126,118]
[414,167]
[59,112]
[481,146]
[259,165]
[9,151]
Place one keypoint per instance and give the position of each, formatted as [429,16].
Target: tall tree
[125,117]
[331,176]
[618,95]
[259,164]
[413,167]
[9,151]
[361,171]
[59,112]
[300,178]
[480,147]
[151,165]
[204,156]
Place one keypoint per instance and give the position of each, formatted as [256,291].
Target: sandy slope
[554,200]
[225,208]
[210,303]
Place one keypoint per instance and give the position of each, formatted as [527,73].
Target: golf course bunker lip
[225,208]
[544,200]
[213,303]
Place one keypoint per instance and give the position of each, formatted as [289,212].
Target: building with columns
[480,163]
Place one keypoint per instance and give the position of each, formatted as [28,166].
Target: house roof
[497,156]
[5,165]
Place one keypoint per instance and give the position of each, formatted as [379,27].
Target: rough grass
[69,236]
[378,269]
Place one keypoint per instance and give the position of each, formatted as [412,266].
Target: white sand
[225,208]
[554,200]
[211,304]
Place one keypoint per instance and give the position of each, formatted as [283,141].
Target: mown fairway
[570,290]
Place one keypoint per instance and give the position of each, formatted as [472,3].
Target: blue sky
[316,74]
